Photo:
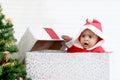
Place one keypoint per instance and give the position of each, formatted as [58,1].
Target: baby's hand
[66,38]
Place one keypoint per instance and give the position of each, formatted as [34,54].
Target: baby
[89,39]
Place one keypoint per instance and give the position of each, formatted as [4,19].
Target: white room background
[66,16]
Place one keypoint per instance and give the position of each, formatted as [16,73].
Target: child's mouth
[85,44]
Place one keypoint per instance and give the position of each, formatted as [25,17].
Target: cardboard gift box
[36,39]
[67,66]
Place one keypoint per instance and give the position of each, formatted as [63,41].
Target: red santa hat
[95,26]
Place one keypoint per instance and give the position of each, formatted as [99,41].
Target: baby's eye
[90,36]
[83,36]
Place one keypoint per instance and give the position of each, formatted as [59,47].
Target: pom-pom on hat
[95,23]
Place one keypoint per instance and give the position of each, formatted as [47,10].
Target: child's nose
[86,38]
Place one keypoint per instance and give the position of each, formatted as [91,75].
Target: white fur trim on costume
[77,43]
[70,43]
[98,44]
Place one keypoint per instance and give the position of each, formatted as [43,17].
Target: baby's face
[88,39]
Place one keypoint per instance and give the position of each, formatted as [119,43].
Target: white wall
[69,14]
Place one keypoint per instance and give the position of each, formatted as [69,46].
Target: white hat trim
[93,29]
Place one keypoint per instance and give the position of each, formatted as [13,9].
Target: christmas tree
[10,68]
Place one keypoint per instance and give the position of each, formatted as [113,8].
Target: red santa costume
[95,26]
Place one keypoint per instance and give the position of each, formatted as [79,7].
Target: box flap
[53,42]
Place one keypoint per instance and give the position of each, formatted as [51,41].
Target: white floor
[66,16]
